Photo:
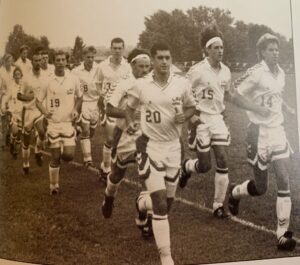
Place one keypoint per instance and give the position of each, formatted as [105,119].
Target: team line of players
[143,114]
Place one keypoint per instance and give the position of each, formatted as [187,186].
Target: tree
[77,51]
[18,37]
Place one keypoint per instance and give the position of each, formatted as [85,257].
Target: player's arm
[287,109]
[78,99]
[133,101]
[114,112]
[28,94]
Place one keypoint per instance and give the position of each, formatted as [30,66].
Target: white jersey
[49,71]
[34,83]
[118,96]
[60,94]
[15,106]
[158,105]
[209,86]
[263,88]
[88,82]
[109,73]
[26,67]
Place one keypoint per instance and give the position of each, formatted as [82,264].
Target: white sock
[161,231]
[283,210]
[54,176]
[221,184]
[190,165]
[145,202]
[86,149]
[106,161]
[111,188]
[241,191]
[25,155]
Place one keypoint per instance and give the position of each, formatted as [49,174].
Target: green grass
[69,228]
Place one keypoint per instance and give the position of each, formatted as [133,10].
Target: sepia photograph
[149,132]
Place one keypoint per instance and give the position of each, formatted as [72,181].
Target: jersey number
[85,88]
[207,93]
[153,116]
[54,103]
[266,101]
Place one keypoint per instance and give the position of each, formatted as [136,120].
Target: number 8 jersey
[264,88]
[209,86]
[60,94]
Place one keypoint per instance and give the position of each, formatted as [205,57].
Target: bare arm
[114,112]
[42,109]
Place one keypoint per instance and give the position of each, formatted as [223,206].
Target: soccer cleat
[54,191]
[39,159]
[26,170]
[107,206]
[103,176]
[184,176]
[147,231]
[286,242]
[88,164]
[233,204]
[220,213]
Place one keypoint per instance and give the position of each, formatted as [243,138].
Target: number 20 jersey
[263,88]
[159,104]
[209,86]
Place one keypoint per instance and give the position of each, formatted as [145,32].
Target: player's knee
[92,132]
[85,134]
[257,189]
[159,202]
[221,161]
[203,167]
[54,163]
[67,157]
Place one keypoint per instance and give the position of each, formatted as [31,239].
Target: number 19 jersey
[159,105]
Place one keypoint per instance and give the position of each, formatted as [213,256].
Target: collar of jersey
[123,61]
[206,62]
[166,85]
[267,69]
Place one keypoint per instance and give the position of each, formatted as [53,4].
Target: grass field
[69,228]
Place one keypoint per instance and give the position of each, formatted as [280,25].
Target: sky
[98,21]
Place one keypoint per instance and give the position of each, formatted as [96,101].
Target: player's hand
[48,115]
[75,115]
[132,128]
[263,111]
[179,116]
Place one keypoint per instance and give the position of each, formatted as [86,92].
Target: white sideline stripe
[196,205]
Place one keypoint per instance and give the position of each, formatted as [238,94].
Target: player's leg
[221,180]
[40,140]
[202,163]
[26,150]
[54,167]
[85,142]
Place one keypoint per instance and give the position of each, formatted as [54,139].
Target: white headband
[141,56]
[212,40]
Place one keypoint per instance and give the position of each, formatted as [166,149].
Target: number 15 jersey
[60,94]
[159,104]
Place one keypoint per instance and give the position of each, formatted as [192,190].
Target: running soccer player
[123,146]
[87,74]
[166,102]
[48,68]
[259,91]
[109,72]
[14,106]
[23,62]
[210,81]
[63,98]
[6,77]
[32,118]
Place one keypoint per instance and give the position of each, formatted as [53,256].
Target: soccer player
[63,98]
[14,106]
[6,77]
[32,117]
[48,68]
[210,81]
[166,102]
[109,72]
[259,91]
[87,73]
[23,62]
[123,146]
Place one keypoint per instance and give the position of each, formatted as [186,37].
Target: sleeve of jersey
[133,96]
[247,82]
[115,96]
[193,76]
[78,90]
[188,97]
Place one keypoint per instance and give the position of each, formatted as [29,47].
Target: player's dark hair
[37,51]
[45,52]
[17,69]
[160,46]
[59,52]
[89,49]
[210,32]
[135,52]
[117,40]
